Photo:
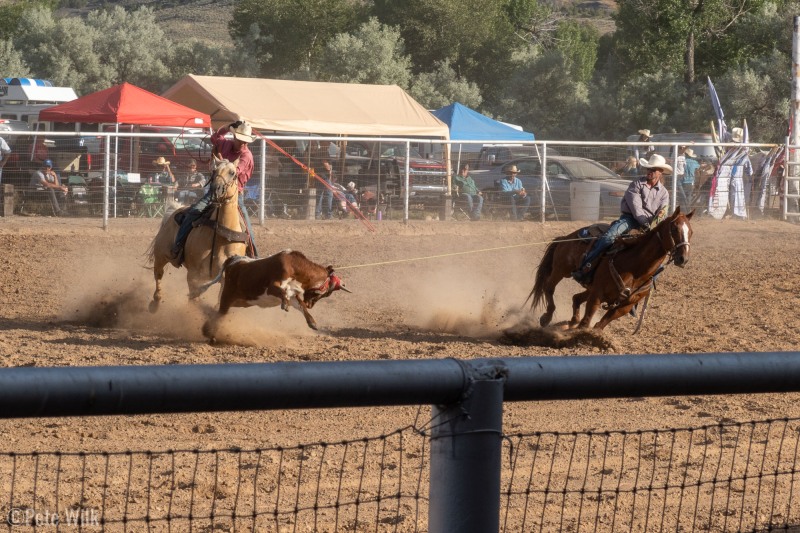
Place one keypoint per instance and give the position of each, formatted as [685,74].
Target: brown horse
[208,244]
[622,278]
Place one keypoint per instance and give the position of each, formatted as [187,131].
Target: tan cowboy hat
[737,135]
[646,133]
[244,132]
[689,153]
[512,170]
[656,161]
[160,161]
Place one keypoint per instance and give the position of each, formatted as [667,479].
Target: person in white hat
[232,150]
[687,184]
[639,151]
[644,205]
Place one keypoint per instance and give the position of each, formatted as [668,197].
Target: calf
[271,281]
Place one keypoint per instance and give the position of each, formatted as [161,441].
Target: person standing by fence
[687,184]
[5,153]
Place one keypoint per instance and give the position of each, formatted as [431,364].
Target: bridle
[676,241]
[219,190]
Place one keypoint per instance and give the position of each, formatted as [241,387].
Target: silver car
[562,171]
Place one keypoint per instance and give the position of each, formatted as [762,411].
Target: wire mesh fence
[724,477]
[282,185]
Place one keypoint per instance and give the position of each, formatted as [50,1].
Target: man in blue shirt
[644,205]
[512,189]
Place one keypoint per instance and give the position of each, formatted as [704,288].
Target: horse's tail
[228,262]
[542,274]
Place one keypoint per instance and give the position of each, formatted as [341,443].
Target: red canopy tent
[126,104]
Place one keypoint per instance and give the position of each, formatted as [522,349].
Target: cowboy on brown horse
[644,205]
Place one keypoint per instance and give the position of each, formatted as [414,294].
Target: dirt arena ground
[74,294]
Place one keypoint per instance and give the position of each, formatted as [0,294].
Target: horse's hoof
[545,319]
[313,326]
[153,307]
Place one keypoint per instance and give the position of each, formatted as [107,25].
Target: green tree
[289,35]
[689,36]
[11,13]
[544,97]
[443,87]
[476,37]
[12,64]
[578,44]
[61,50]
[133,47]
[373,54]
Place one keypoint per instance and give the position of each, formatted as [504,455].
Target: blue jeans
[519,205]
[325,199]
[623,225]
[196,210]
[474,205]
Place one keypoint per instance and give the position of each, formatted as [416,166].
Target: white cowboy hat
[656,161]
[244,132]
[737,135]
[160,161]
[689,153]
[646,133]
[512,170]
[351,185]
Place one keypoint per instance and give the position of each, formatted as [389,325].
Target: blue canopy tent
[468,125]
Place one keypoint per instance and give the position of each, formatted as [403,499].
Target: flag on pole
[722,128]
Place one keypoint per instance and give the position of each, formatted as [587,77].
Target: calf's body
[272,281]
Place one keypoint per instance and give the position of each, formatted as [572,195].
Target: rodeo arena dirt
[77,295]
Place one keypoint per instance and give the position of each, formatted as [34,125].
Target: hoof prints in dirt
[525,334]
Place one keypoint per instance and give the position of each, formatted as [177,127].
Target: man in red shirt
[231,150]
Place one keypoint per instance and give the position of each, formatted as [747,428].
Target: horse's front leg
[577,300]
[613,314]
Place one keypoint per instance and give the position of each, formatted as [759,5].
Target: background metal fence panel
[282,187]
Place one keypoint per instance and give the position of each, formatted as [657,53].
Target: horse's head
[224,185]
[675,233]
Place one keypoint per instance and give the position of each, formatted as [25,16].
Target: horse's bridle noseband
[675,243]
[215,199]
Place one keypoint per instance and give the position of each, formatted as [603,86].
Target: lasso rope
[439,256]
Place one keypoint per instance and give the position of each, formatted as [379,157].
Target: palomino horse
[621,279]
[209,244]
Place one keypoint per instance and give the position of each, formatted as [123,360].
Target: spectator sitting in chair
[469,191]
[164,175]
[48,180]
[351,194]
[190,185]
[511,188]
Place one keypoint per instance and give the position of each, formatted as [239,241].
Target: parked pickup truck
[371,163]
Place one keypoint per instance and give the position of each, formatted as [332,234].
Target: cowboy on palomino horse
[644,205]
[232,150]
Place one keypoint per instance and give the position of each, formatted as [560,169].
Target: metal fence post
[465,460]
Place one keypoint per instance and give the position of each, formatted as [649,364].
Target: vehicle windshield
[397,150]
[587,169]
[188,143]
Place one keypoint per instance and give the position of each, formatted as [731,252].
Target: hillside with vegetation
[568,69]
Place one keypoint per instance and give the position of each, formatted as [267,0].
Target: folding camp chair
[152,204]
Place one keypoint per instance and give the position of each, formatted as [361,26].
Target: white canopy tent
[308,107]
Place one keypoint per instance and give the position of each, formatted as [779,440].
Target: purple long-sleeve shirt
[643,201]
